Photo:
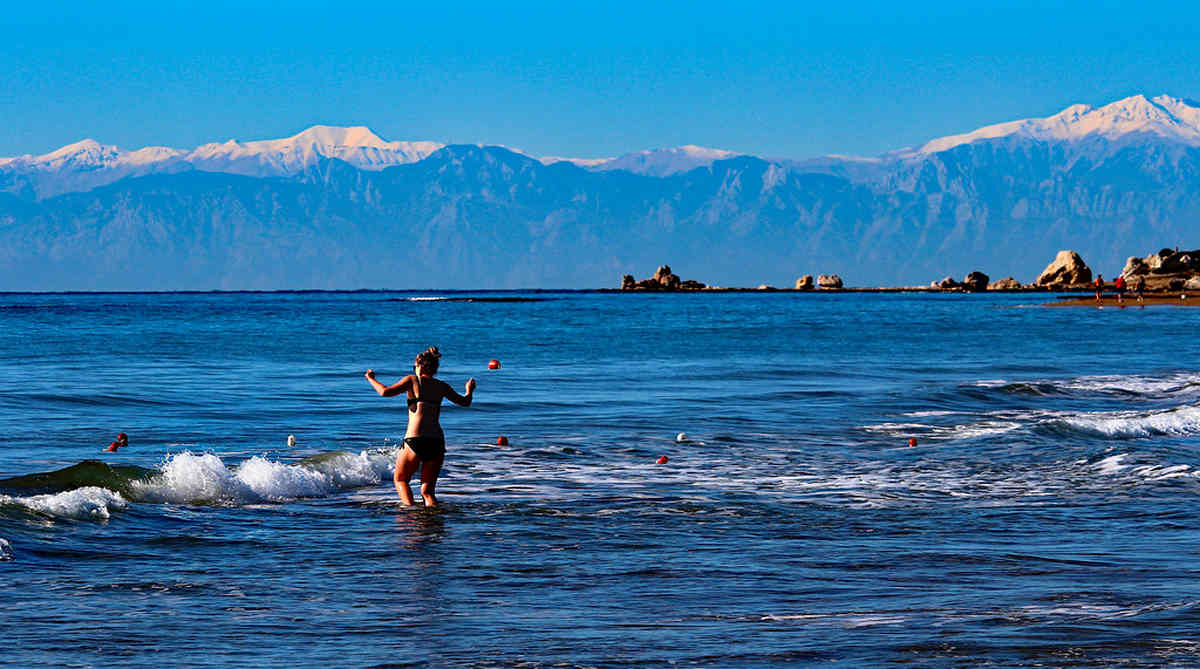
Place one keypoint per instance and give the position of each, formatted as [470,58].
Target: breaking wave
[1129,385]
[190,478]
[1179,421]
[90,503]
[93,489]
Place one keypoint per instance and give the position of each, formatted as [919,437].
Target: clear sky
[573,78]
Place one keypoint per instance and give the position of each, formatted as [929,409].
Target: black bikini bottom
[427,449]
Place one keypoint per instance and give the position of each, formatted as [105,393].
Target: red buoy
[662,460]
[912,441]
[122,440]
[493,364]
[502,441]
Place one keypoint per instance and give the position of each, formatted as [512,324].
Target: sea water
[1047,515]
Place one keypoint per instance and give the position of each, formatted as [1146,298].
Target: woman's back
[425,396]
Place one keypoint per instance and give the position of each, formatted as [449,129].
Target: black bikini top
[412,401]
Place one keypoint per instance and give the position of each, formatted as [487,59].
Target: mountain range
[342,208]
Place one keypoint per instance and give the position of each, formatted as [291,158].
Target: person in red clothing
[1119,285]
[1099,288]
[122,440]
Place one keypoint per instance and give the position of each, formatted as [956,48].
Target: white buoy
[291,440]
[681,437]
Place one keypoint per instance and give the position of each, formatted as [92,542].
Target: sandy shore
[1157,300]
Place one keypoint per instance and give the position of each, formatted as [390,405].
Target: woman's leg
[406,464]
[429,476]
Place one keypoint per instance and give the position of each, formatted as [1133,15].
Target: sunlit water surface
[1047,515]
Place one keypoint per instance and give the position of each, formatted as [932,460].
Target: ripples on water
[1046,515]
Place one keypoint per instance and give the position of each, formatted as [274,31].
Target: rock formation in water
[1067,269]
[975,282]
[663,280]
[1169,269]
[1007,283]
[829,281]
[805,282]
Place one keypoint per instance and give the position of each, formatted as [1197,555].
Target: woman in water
[424,442]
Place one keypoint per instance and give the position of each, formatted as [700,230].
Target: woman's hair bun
[432,350]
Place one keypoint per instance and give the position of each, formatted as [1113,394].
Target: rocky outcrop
[947,283]
[663,280]
[1169,269]
[805,282]
[829,281]
[976,281]
[1007,283]
[1067,269]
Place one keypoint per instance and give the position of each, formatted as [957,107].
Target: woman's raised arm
[461,400]
[388,391]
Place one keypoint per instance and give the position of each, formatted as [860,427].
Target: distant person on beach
[424,442]
[1139,287]
[122,440]
[1119,286]
[1099,288]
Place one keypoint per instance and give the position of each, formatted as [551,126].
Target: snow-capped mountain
[89,154]
[281,157]
[654,162]
[88,164]
[1109,182]
[1164,117]
[83,166]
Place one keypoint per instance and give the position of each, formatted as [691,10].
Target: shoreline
[1183,299]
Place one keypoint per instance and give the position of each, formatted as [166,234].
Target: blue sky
[576,79]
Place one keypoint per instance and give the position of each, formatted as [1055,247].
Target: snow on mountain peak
[330,137]
[356,145]
[1164,116]
[84,153]
[664,162]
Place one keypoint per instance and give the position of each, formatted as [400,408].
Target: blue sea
[1048,514]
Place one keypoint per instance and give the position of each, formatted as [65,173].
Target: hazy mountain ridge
[466,216]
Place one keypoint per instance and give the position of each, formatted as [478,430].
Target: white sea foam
[1112,384]
[984,428]
[6,552]
[845,620]
[1112,464]
[89,503]
[349,470]
[1180,421]
[190,478]
[1139,384]
[277,481]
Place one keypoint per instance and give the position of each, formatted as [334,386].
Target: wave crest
[88,503]
[190,478]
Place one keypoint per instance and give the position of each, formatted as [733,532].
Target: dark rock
[947,283]
[805,282]
[663,280]
[976,281]
[1168,269]
[829,281]
[1007,283]
[667,279]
